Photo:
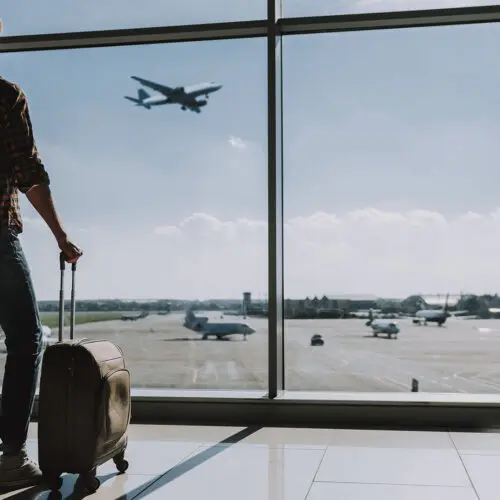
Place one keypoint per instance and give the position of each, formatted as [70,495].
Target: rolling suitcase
[84,404]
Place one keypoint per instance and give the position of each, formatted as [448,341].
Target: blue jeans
[20,321]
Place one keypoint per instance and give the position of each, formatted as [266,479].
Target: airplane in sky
[439,316]
[201,325]
[385,326]
[185,96]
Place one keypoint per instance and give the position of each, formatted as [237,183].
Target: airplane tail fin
[142,94]
[445,308]
[370,318]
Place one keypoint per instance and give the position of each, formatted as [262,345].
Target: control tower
[247,302]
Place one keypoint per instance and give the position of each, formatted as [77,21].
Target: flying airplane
[185,96]
[201,325]
[439,316]
[384,326]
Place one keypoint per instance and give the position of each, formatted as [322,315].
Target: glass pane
[169,205]
[24,17]
[295,8]
[391,205]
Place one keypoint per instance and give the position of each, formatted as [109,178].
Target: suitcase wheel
[120,462]
[54,482]
[88,482]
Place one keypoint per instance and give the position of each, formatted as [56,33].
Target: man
[20,170]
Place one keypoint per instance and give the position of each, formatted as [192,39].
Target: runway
[463,356]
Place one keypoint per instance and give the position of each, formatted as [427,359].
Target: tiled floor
[184,463]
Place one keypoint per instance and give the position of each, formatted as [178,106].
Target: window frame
[278,406]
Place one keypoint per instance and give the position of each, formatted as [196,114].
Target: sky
[390,155]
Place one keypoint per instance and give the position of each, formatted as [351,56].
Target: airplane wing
[155,86]
[458,313]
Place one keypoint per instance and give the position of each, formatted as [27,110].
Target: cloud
[167,230]
[236,142]
[365,250]
[362,251]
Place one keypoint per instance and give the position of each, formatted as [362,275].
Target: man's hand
[70,251]
[40,197]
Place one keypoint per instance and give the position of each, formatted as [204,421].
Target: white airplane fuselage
[384,326]
[432,316]
[201,325]
[185,96]
[156,100]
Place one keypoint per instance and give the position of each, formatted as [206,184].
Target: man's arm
[40,197]
[29,172]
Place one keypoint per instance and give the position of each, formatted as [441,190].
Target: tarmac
[460,357]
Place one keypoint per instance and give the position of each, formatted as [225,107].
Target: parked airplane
[201,325]
[439,316]
[194,322]
[384,326]
[134,316]
[185,96]
[222,330]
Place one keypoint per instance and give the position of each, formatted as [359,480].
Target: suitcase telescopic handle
[62,267]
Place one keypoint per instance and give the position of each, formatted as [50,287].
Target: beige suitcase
[84,405]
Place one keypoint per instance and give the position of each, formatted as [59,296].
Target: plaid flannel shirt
[20,164]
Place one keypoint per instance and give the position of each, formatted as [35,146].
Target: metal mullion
[275,205]
[389,20]
[251,29]
[136,36]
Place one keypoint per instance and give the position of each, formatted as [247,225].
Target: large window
[295,8]
[25,17]
[374,269]
[391,205]
[168,204]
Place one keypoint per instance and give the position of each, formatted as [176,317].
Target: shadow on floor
[190,463]
[153,484]
[36,492]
